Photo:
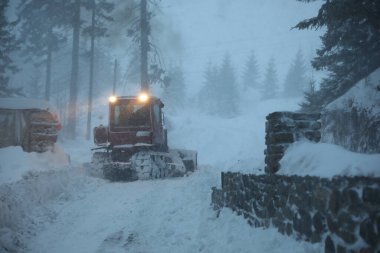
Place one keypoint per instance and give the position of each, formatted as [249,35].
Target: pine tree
[251,73]
[8,44]
[311,99]
[350,46]
[270,84]
[295,81]
[42,23]
[174,92]
[227,93]
[139,31]
[207,99]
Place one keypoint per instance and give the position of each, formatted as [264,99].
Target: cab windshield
[130,113]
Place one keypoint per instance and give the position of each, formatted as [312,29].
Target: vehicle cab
[133,121]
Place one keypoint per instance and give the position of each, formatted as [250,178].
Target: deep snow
[363,96]
[48,206]
[327,160]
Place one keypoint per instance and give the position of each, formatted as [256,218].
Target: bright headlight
[112,99]
[143,97]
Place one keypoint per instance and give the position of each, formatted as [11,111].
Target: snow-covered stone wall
[284,128]
[353,120]
[343,212]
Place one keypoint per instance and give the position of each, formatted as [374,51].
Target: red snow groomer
[134,145]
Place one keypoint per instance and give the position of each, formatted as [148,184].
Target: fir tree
[174,92]
[270,84]
[295,81]
[311,99]
[42,23]
[207,99]
[227,93]
[350,46]
[140,32]
[8,45]
[251,73]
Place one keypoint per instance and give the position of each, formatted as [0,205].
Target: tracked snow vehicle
[134,144]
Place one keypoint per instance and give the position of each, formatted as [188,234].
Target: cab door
[159,135]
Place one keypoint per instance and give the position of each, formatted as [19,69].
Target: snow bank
[27,182]
[327,160]
[23,203]
[14,163]
[79,150]
[353,120]
[364,95]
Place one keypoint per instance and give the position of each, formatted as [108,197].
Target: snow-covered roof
[364,95]
[21,103]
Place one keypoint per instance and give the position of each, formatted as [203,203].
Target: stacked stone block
[284,128]
[343,213]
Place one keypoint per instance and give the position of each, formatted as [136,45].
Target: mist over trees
[97,29]
[228,95]
[42,33]
[251,73]
[295,81]
[65,51]
[8,44]
[174,94]
[270,83]
[219,95]
[350,47]
[207,97]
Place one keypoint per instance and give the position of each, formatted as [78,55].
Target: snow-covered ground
[14,163]
[364,95]
[47,205]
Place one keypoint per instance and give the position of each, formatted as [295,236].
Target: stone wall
[284,128]
[342,213]
[355,129]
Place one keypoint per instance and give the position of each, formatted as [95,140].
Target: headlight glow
[143,97]
[112,99]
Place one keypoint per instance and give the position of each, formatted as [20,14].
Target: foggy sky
[210,28]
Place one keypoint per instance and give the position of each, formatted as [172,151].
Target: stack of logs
[41,131]
[284,128]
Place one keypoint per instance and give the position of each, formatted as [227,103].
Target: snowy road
[147,216]
[171,215]
[62,209]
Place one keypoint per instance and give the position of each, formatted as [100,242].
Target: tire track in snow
[114,217]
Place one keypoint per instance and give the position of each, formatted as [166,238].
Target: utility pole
[144,46]
[114,78]
[91,82]
[48,68]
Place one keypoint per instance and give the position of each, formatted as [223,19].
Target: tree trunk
[48,73]
[91,82]
[144,29]
[71,124]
